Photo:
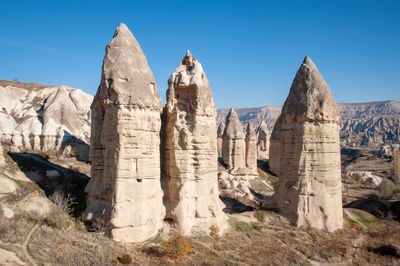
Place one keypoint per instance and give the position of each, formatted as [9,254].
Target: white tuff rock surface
[124,192]
[309,188]
[189,152]
[36,117]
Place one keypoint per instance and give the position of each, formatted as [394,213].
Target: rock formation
[189,151]
[274,149]
[233,144]
[309,188]
[251,149]
[220,134]
[124,192]
[43,118]
[262,141]
[371,124]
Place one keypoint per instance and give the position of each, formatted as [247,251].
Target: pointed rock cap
[190,77]
[127,78]
[221,129]
[310,98]
[233,127]
[250,130]
[188,59]
[262,127]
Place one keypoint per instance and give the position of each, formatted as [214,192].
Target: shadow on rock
[379,208]
[234,205]
[52,178]
[74,147]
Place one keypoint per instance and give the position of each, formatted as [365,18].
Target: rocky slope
[44,118]
[362,124]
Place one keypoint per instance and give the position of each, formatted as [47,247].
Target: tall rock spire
[233,143]
[220,134]
[189,151]
[262,141]
[309,188]
[251,149]
[124,192]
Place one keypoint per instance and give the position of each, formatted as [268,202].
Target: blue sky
[250,50]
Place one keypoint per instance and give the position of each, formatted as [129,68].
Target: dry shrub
[57,219]
[214,231]
[4,225]
[177,247]
[260,215]
[64,203]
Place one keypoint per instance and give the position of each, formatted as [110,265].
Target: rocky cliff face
[309,188]
[124,192]
[362,124]
[44,118]
[189,151]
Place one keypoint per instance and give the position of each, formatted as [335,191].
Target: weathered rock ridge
[189,152]
[309,188]
[45,118]
[362,124]
[124,192]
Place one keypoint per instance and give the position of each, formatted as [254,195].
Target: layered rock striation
[189,152]
[309,188]
[124,192]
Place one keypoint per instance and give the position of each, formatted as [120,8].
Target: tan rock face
[233,144]
[189,151]
[124,192]
[262,141]
[220,134]
[251,149]
[274,149]
[309,190]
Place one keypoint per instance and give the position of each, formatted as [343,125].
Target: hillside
[44,118]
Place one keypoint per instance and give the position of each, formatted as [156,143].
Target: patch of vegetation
[260,215]
[214,231]
[177,247]
[365,221]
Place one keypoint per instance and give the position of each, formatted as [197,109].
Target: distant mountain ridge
[363,124]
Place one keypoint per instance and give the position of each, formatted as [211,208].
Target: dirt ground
[256,237]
